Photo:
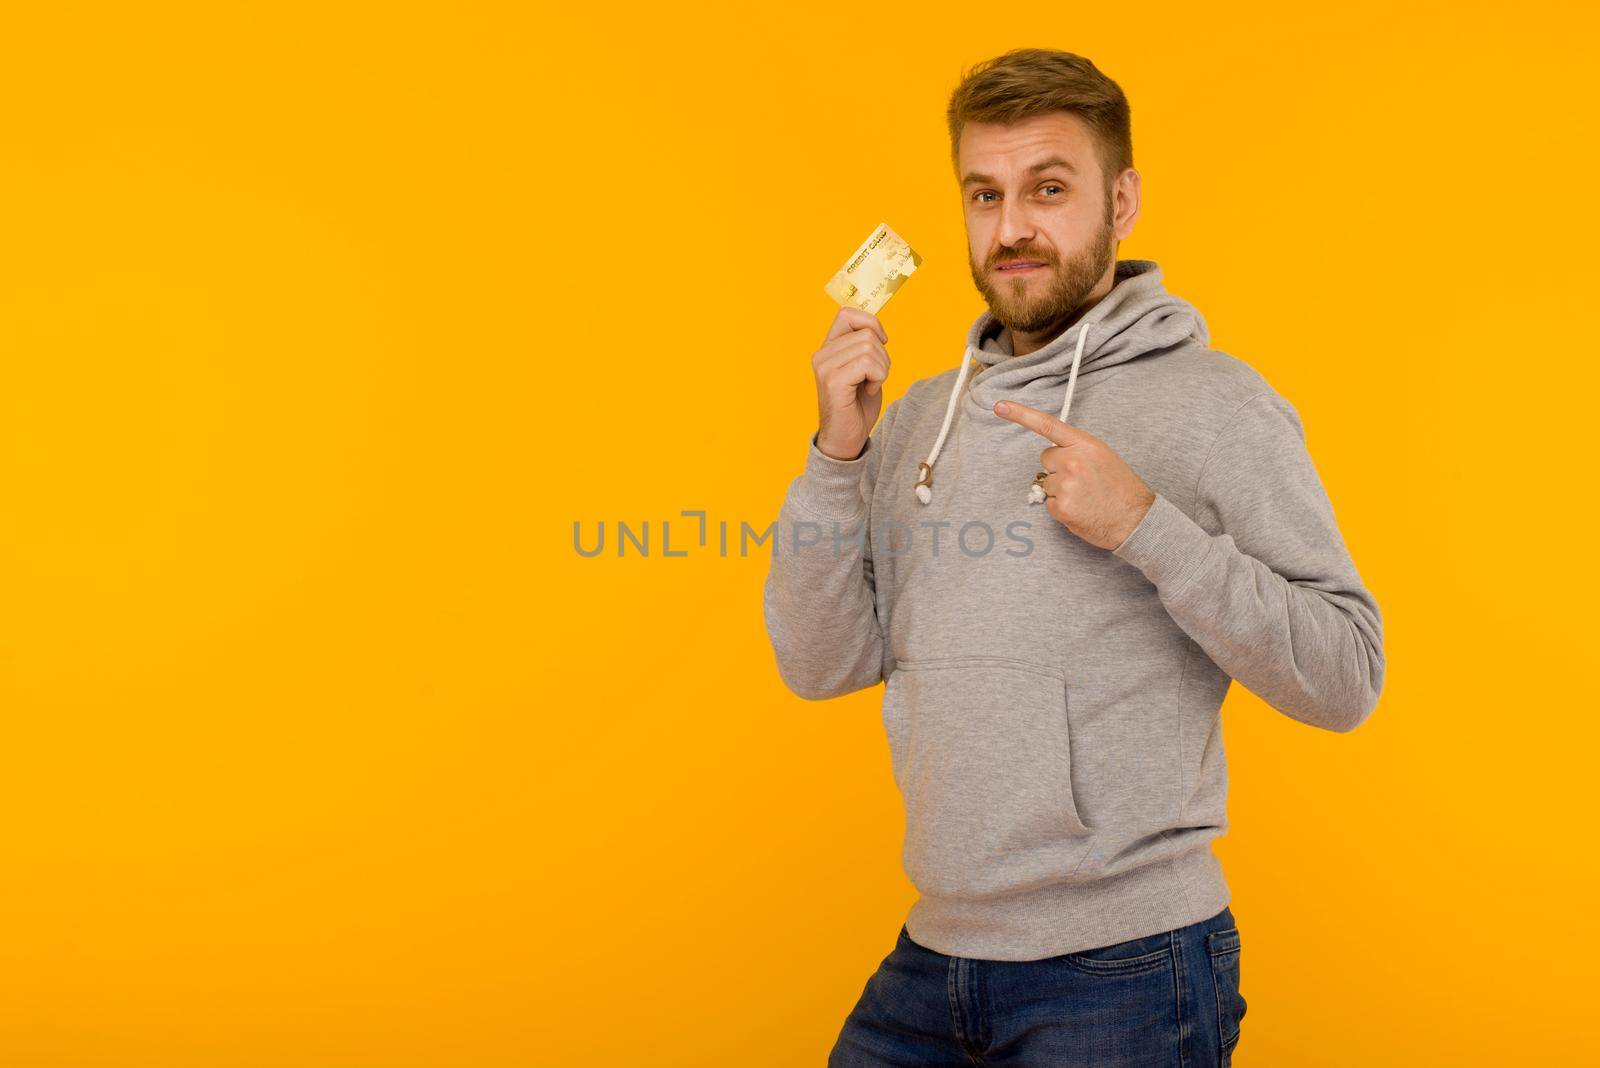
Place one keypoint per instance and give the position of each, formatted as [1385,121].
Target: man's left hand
[1090,490]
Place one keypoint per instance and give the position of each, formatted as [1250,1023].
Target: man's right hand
[851,367]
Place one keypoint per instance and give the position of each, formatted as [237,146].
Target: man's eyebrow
[1042,165]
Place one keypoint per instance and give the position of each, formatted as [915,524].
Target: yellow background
[323,324]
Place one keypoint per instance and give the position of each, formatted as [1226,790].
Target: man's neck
[1022,344]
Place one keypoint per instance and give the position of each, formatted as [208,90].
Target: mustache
[1023,255]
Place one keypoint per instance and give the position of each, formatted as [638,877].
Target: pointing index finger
[1042,423]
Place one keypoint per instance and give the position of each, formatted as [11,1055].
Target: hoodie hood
[1137,318]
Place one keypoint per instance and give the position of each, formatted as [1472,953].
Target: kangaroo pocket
[982,754]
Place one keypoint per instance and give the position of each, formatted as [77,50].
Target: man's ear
[1126,203]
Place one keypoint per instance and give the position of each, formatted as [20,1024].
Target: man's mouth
[1022,266]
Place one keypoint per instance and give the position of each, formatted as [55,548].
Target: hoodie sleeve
[820,601]
[1273,598]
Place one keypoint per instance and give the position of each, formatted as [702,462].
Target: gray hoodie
[1053,708]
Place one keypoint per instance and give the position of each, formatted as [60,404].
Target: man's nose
[1015,226]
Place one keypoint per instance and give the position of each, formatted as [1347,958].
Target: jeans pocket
[1223,949]
[1133,957]
[982,754]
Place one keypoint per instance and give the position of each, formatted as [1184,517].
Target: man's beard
[1031,305]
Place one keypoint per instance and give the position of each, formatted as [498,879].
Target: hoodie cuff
[831,488]
[1167,546]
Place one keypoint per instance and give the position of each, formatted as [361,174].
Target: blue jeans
[1170,1000]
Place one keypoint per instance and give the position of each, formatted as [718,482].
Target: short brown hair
[1025,82]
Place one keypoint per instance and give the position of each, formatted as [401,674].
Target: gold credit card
[874,271]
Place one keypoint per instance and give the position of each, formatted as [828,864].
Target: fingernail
[1002,408]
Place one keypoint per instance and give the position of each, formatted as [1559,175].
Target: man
[1057,605]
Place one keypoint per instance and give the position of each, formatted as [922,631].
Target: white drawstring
[925,483]
[925,469]
[1036,491]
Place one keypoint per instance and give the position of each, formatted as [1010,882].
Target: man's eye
[980,194]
